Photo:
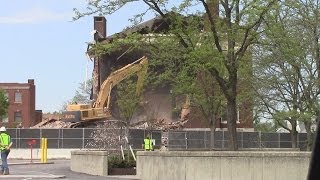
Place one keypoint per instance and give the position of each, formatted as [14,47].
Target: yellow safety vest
[148,144]
[5,141]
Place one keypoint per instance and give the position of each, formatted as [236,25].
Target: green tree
[127,100]
[210,100]
[266,126]
[82,94]
[287,66]
[225,41]
[4,103]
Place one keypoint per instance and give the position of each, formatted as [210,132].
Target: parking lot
[57,169]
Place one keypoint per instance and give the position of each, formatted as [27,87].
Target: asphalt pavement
[54,169]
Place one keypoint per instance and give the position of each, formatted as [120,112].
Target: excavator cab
[83,112]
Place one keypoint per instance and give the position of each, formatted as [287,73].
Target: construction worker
[5,145]
[148,144]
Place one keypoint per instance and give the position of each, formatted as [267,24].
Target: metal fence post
[16,144]
[82,138]
[279,145]
[185,136]
[59,138]
[298,144]
[241,139]
[260,140]
[205,139]
[222,146]
[40,133]
[168,139]
[62,138]
[19,138]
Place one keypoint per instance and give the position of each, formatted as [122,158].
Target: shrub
[116,161]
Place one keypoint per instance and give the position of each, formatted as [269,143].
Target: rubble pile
[53,123]
[160,124]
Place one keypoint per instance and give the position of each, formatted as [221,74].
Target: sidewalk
[25,162]
[54,169]
[30,176]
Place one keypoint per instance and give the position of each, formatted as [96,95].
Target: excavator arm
[138,67]
[100,109]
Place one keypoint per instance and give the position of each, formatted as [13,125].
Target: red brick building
[159,102]
[22,104]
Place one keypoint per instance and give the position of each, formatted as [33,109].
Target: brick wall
[24,106]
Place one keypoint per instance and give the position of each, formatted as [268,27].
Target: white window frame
[17,97]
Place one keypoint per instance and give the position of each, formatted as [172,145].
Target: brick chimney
[31,81]
[100,24]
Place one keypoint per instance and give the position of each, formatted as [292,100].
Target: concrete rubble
[53,123]
[157,124]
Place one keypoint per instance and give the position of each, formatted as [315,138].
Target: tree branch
[223,84]
[245,42]
[153,5]
[212,26]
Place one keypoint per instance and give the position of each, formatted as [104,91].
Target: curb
[28,163]
[124,177]
[32,176]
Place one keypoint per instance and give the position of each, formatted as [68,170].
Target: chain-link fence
[178,140]
[79,138]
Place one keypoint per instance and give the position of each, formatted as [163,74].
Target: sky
[39,40]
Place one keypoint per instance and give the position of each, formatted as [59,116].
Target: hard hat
[3,128]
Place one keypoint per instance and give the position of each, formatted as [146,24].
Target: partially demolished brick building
[158,100]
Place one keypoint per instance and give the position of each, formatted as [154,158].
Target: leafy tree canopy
[4,103]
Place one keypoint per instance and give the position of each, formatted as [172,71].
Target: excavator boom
[139,67]
[100,109]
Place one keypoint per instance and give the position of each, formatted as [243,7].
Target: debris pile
[160,124]
[107,136]
[53,123]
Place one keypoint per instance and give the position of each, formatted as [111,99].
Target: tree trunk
[212,134]
[309,135]
[232,119]
[294,134]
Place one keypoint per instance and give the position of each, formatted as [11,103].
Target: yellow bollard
[45,150]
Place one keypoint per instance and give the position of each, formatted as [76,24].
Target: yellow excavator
[100,110]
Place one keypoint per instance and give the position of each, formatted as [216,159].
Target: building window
[6,94]
[18,97]
[17,117]
[224,115]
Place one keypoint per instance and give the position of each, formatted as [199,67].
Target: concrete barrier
[222,165]
[90,162]
[36,153]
